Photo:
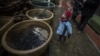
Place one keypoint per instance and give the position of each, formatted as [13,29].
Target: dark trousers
[76,12]
[83,22]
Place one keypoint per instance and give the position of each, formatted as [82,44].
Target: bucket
[42,4]
[5,23]
[35,14]
[10,35]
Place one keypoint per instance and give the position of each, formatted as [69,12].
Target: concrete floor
[77,45]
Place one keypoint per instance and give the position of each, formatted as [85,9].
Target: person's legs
[74,15]
[82,23]
[69,28]
[60,37]
[69,35]
[64,38]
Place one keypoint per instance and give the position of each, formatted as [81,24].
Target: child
[65,26]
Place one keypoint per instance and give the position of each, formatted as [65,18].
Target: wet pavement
[77,45]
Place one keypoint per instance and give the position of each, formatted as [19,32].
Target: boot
[68,35]
[60,37]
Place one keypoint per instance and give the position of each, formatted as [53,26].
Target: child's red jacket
[66,16]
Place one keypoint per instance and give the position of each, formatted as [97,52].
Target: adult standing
[88,10]
[77,8]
